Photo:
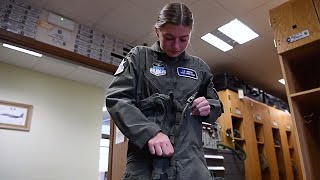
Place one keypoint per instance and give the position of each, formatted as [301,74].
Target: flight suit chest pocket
[157,108]
[152,108]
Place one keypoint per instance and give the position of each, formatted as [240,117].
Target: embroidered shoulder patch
[186,72]
[123,65]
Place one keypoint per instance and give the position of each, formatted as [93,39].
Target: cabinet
[232,118]
[300,64]
[266,134]
[257,113]
[291,18]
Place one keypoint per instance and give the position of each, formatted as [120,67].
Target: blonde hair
[175,13]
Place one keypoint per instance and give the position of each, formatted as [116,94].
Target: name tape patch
[186,72]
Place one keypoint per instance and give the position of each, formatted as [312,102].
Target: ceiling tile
[208,16]
[258,63]
[258,18]
[254,50]
[214,57]
[132,25]
[152,7]
[39,4]
[261,76]
[239,8]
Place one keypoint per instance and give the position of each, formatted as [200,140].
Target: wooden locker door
[236,104]
[117,153]
[252,165]
[292,144]
[260,113]
[291,18]
[317,5]
[225,120]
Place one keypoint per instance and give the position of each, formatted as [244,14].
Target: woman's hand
[160,145]
[200,107]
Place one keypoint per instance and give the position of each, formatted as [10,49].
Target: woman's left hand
[200,107]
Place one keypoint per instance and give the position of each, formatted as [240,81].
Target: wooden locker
[317,6]
[252,134]
[281,144]
[300,68]
[236,108]
[292,17]
[265,144]
[290,149]
[232,116]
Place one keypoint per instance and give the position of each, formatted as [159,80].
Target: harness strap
[180,116]
[164,167]
[160,167]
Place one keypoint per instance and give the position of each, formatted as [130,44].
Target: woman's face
[173,38]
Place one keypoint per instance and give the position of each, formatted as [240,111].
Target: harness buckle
[191,98]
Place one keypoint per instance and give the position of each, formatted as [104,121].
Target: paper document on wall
[119,136]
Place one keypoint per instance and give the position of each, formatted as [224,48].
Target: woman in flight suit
[159,98]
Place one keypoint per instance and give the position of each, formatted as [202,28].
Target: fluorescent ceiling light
[238,31]
[22,50]
[218,43]
[282,81]
[104,109]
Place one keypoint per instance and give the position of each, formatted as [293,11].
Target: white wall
[63,141]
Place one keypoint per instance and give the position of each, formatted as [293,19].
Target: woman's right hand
[160,145]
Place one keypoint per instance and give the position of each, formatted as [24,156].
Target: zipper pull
[191,98]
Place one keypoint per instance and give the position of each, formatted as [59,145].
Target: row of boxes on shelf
[100,46]
[226,81]
[19,18]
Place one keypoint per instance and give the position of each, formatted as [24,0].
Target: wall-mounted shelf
[69,56]
[260,142]
[277,146]
[306,94]
[241,140]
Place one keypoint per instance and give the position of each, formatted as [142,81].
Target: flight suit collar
[156,47]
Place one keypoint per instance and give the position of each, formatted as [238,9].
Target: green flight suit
[148,94]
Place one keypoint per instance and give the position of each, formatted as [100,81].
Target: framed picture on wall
[15,116]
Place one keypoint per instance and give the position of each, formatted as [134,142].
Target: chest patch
[185,72]
[158,69]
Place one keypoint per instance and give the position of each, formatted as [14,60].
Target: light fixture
[238,31]
[22,50]
[218,43]
[104,108]
[282,81]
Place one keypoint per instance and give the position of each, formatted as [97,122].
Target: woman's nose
[176,44]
